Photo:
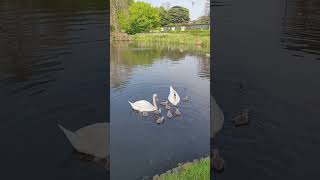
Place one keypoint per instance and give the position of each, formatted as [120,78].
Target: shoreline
[186,169]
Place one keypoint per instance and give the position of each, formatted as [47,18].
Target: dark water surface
[141,148]
[53,61]
[272,50]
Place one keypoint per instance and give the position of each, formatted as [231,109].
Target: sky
[195,11]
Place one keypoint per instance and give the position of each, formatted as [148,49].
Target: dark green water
[53,60]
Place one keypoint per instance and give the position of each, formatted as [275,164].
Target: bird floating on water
[241,119]
[169,114]
[163,103]
[177,112]
[145,106]
[167,106]
[160,120]
[173,97]
[186,98]
[92,140]
[217,161]
[158,111]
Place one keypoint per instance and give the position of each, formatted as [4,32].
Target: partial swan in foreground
[92,140]
[145,106]
[217,118]
[173,97]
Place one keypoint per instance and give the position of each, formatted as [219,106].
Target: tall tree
[164,16]
[178,14]
[142,18]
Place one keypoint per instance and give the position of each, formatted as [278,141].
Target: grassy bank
[199,170]
[194,38]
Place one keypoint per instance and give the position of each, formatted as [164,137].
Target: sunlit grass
[190,171]
[175,38]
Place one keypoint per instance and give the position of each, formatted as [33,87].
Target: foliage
[178,14]
[174,38]
[142,18]
[164,16]
[190,171]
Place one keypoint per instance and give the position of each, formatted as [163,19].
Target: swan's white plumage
[172,98]
[217,118]
[144,106]
[92,140]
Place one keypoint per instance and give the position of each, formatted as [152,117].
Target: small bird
[158,111]
[144,113]
[167,106]
[169,114]
[177,112]
[163,103]
[160,120]
[241,119]
[217,161]
[186,99]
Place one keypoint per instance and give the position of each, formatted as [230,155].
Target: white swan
[217,118]
[145,106]
[173,97]
[92,140]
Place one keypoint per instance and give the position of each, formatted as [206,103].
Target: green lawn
[193,38]
[190,171]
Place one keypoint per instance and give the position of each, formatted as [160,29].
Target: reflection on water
[301,27]
[139,145]
[264,61]
[52,70]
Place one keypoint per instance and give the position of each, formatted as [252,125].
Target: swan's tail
[72,137]
[131,104]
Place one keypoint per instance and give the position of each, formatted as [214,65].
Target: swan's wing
[144,105]
[94,139]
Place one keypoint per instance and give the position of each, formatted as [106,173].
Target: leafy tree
[178,14]
[142,18]
[164,16]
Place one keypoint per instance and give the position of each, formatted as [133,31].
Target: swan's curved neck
[154,102]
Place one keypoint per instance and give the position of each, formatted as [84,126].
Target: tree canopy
[178,14]
[142,18]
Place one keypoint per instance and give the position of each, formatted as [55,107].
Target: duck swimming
[186,99]
[169,114]
[177,112]
[160,120]
[167,106]
[173,97]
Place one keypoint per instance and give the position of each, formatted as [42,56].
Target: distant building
[186,27]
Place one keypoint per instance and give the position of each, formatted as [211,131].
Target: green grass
[175,38]
[190,171]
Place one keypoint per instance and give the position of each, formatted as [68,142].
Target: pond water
[141,148]
[53,60]
[266,59]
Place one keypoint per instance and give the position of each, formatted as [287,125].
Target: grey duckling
[217,161]
[144,113]
[163,103]
[241,119]
[160,120]
[186,99]
[169,114]
[158,111]
[167,106]
[177,112]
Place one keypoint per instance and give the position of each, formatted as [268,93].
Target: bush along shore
[202,39]
[198,169]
